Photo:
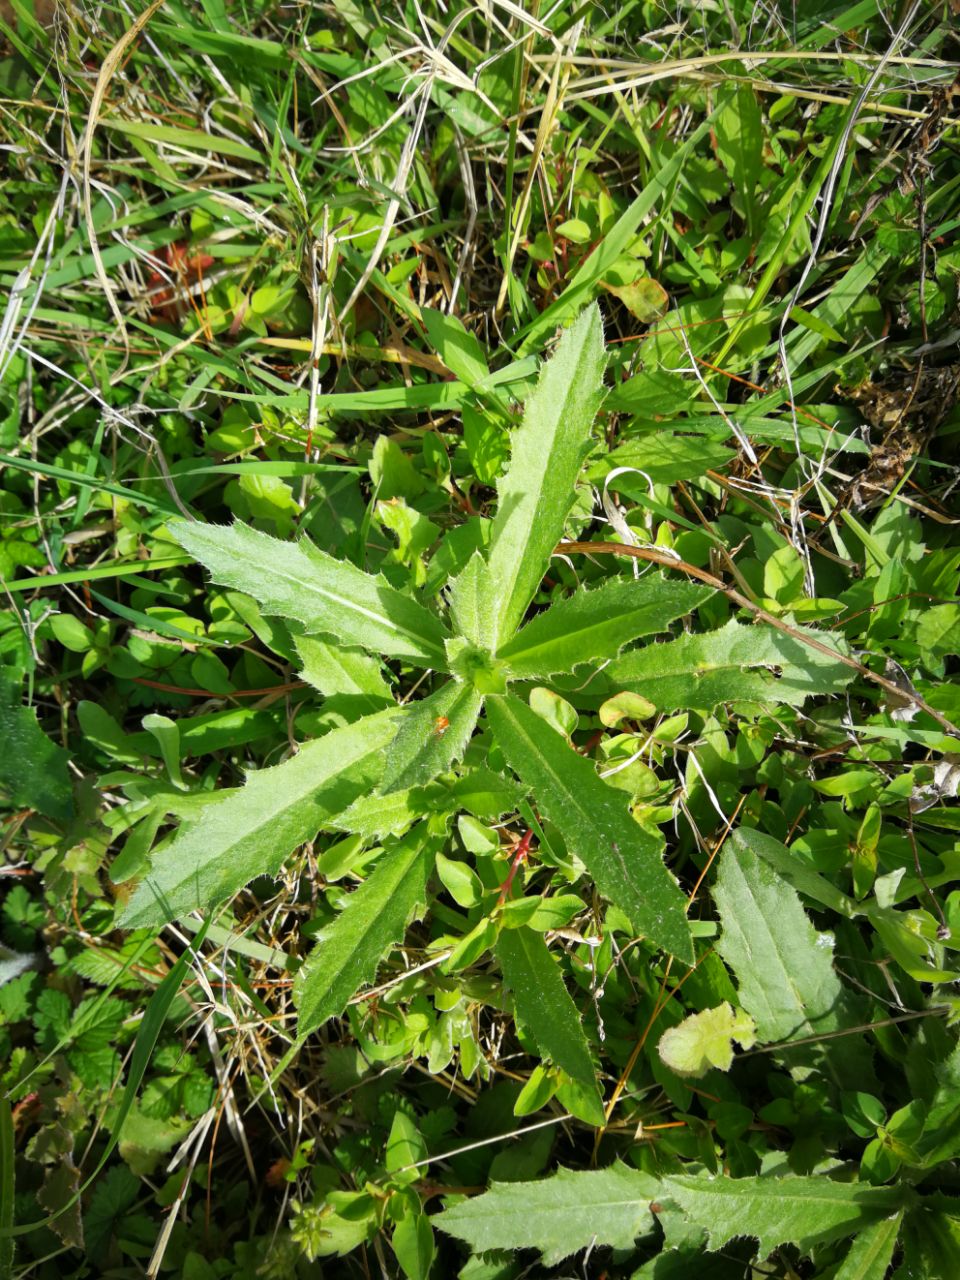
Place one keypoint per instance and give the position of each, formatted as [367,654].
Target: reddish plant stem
[519,854]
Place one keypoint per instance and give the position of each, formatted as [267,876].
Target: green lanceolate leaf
[349,950]
[335,669]
[537,492]
[870,1253]
[33,769]
[593,625]
[249,832]
[471,592]
[333,597]
[545,1008]
[775,1211]
[559,1215]
[432,736]
[784,967]
[735,664]
[623,858]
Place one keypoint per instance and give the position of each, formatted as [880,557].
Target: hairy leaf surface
[432,736]
[545,1007]
[870,1253]
[328,596]
[559,1215]
[735,664]
[623,858]
[596,624]
[33,769]
[349,950]
[775,1211]
[784,967]
[250,831]
[537,492]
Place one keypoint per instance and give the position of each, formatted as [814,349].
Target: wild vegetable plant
[489,728]
[483,657]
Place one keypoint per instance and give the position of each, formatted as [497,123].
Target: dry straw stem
[668,561]
[620,74]
[110,64]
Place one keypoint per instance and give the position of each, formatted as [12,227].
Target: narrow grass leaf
[328,596]
[349,950]
[593,625]
[560,1215]
[538,490]
[250,831]
[623,858]
[545,1007]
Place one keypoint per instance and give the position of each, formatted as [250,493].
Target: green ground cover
[479,640]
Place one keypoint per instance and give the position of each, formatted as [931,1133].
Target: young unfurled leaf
[625,706]
[376,917]
[559,1215]
[705,1040]
[249,832]
[623,858]
[537,492]
[776,1211]
[735,664]
[595,625]
[432,736]
[470,594]
[328,596]
[545,1008]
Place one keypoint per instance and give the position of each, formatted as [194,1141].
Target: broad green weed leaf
[337,669]
[623,858]
[376,917]
[737,663]
[663,457]
[941,1133]
[870,1253]
[548,448]
[328,596]
[596,624]
[784,967]
[776,1211]
[459,349]
[432,736]
[33,769]
[470,594]
[545,1008]
[413,1244]
[931,1240]
[796,872]
[705,1040]
[559,1215]
[249,832]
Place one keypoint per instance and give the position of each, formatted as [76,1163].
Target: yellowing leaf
[705,1040]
